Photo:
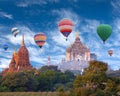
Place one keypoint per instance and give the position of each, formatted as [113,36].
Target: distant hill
[114,73]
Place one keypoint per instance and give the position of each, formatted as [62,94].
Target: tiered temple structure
[77,51]
[20,60]
[77,56]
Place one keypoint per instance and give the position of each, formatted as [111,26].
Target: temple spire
[15,50]
[23,44]
[77,34]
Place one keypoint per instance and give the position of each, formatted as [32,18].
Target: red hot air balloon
[65,26]
[40,39]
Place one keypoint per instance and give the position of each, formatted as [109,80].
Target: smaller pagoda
[20,60]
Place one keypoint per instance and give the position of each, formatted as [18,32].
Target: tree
[70,75]
[19,81]
[96,80]
[93,75]
[51,67]
[46,80]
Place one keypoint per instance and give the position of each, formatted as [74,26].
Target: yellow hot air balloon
[40,39]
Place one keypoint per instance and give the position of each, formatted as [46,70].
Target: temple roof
[77,45]
[23,49]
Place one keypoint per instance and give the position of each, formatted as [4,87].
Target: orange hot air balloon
[65,26]
[40,39]
[110,52]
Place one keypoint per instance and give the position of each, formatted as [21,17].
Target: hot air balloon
[5,47]
[40,39]
[104,31]
[15,31]
[110,52]
[65,26]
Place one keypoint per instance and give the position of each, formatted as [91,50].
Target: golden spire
[23,44]
[15,51]
[77,34]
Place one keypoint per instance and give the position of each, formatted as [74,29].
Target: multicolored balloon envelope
[104,31]
[65,26]
[110,52]
[15,31]
[40,39]
[5,47]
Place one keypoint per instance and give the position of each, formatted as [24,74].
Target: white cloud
[39,60]
[27,3]
[114,39]
[89,26]
[116,6]
[4,63]
[35,51]
[28,36]
[6,15]
[57,59]
[58,49]
[37,55]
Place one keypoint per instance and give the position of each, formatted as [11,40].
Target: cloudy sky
[33,16]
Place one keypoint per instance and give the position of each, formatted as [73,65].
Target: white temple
[77,51]
[77,56]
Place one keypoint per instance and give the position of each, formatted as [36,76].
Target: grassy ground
[29,94]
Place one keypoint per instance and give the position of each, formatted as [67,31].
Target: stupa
[20,60]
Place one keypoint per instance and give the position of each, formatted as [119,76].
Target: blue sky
[33,16]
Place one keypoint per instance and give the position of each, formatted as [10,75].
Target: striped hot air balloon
[15,31]
[65,26]
[40,39]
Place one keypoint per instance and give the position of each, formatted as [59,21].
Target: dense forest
[93,82]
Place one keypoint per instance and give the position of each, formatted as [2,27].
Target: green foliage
[94,81]
[61,89]
[17,80]
[70,75]
[4,89]
[29,94]
[81,91]
[97,81]
[51,67]
[97,67]
[47,79]
[20,89]
[78,81]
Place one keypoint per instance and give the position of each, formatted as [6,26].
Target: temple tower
[77,51]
